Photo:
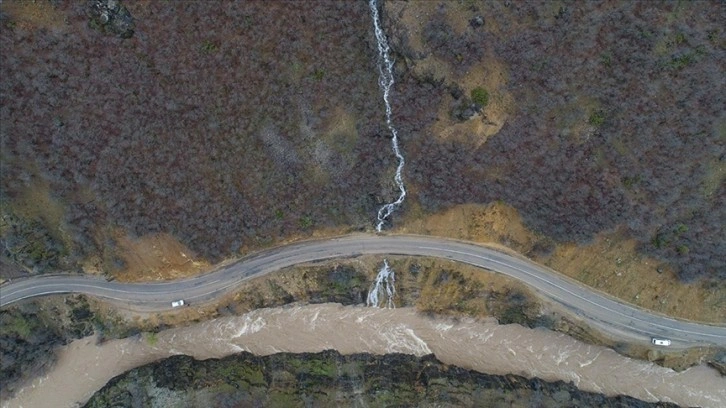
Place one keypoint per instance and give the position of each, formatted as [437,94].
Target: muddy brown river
[84,367]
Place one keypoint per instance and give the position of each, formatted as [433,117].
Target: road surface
[618,319]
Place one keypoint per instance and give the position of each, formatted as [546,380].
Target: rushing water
[385,80]
[384,285]
[84,367]
[383,288]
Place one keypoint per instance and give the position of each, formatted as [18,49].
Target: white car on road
[660,342]
[177,303]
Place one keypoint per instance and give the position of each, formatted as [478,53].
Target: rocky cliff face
[329,379]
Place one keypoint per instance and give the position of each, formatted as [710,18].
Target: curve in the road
[617,318]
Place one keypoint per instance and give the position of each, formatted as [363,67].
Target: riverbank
[330,379]
[30,330]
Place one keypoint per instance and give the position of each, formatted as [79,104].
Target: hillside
[150,140]
[226,127]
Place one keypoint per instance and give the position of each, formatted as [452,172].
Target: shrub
[597,118]
[480,96]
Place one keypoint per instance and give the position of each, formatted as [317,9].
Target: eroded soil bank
[84,367]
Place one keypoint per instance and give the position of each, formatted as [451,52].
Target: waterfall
[385,80]
[384,288]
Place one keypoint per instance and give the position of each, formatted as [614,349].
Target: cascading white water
[384,288]
[385,80]
[384,285]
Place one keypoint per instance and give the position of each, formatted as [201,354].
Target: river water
[83,367]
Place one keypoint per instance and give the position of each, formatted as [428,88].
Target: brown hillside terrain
[610,263]
[587,136]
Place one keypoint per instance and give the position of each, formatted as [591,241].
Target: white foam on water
[84,366]
[384,287]
[251,325]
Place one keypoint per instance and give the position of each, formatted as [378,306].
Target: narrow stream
[84,367]
[384,289]
[385,80]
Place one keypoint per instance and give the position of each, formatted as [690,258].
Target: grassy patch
[606,59]
[596,118]
[480,96]
[630,181]
[208,46]
[305,222]
[318,74]
[28,242]
[18,325]
[151,338]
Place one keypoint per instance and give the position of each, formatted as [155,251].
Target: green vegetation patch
[151,338]
[29,243]
[209,46]
[597,118]
[318,74]
[306,222]
[394,380]
[30,332]
[480,96]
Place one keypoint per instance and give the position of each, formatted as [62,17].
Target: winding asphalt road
[618,319]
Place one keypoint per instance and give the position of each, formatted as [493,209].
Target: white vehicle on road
[660,342]
[177,303]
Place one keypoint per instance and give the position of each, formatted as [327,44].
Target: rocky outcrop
[111,17]
[330,379]
[719,362]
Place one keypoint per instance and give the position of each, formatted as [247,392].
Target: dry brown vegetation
[593,140]
[219,129]
[34,15]
[611,263]
[157,134]
[556,182]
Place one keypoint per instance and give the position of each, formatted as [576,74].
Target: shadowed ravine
[83,367]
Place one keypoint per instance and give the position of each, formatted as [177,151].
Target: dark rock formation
[111,17]
[329,379]
[719,362]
